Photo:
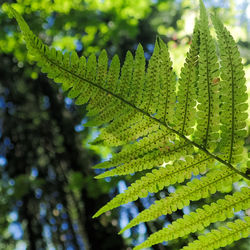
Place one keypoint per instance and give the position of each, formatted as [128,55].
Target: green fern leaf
[173,135]
[194,190]
[158,179]
[223,236]
[219,211]
[206,133]
[233,96]
[185,107]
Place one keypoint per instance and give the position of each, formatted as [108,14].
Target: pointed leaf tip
[95,216]
[162,44]
[103,175]
[98,213]
[140,48]
[105,164]
[8,10]
[5,7]
[104,52]
[123,230]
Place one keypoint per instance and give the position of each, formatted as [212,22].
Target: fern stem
[155,119]
[232,134]
[209,99]
[186,105]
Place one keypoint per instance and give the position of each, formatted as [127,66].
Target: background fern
[171,137]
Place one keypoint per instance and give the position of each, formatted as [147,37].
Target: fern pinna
[171,131]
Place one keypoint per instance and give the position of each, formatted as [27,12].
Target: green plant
[195,127]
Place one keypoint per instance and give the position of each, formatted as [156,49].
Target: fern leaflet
[223,236]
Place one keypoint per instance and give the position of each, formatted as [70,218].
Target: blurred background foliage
[47,186]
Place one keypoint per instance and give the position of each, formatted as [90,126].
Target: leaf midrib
[232,82]
[209,94]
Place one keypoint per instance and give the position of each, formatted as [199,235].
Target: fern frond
[65,69]
[201,218]
[223,236]
[176,136]
[194,190]
[206,133]
[100,68]
[163,153]
[96,104]
[109,108]
[133,151]
[233,96]
[158,179]
[127,128]
[185,107]
[165,97]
